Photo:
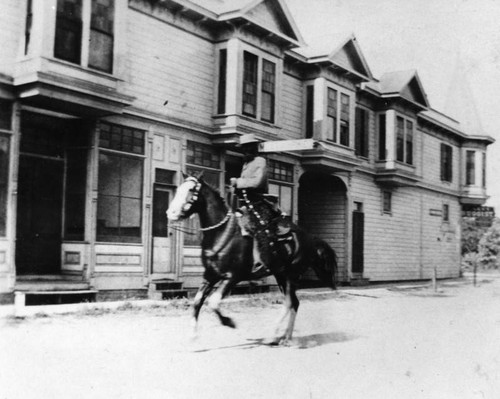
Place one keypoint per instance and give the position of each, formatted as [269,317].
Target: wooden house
[103,103]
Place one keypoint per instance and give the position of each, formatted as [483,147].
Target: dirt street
[391,342]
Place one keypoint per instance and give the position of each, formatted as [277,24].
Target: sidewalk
[370,290]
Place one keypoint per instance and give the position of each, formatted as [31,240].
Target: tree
[489,247]
[472,232]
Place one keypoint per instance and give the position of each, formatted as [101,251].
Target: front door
[358,239]
[163,262]
[39,215]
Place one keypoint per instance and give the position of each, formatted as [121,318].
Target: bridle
[194,197]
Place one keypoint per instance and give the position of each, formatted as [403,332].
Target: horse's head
[186,198]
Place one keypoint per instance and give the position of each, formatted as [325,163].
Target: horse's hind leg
[204,290]
[216,298]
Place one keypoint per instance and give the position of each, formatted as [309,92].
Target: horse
[227,253]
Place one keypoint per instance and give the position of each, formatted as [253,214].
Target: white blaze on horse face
[181,198]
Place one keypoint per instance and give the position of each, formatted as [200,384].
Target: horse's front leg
[216,298]
[204,290]
[284,329]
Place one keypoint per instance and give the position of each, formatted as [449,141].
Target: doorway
[358,239]
[163,263]
[40,196]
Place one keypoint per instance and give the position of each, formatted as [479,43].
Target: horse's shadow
[299,342]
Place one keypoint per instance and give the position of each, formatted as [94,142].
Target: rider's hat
[248,138]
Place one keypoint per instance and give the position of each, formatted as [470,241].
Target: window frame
[408,156]
[259,85]
[387,202]
[86,27]
[338,128]
[285,178]
[362,137]
[122,154]
[446,163]
[470,167]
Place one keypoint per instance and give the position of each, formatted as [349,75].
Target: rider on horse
[251,186]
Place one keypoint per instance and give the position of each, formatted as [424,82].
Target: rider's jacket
[254,176]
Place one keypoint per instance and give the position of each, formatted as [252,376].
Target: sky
[442,39]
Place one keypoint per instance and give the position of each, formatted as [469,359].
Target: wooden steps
[169,289]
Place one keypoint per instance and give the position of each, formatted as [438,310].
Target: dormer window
[85,33]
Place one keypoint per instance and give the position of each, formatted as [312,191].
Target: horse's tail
[325,265]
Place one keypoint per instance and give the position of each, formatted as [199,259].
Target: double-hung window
[85,33]
[446,162]
[470,168]
[404,140]
[338,117]
[361,139]
[121,169]
[259,85]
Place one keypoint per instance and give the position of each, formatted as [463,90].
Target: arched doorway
[323,214]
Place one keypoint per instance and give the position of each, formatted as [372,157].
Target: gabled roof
[346,55]
[404,84]
[271,15]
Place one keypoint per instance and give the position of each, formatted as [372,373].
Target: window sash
[268,90]
[68,38]
[250,62]
[361,132]
[470,172]
[446,163]
[221,100]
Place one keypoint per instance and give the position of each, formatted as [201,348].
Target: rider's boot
[259,268]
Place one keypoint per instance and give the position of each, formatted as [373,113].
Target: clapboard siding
[292,108]
[179,69]
[432,162]
[11,33]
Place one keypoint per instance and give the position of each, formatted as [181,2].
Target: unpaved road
[399,342]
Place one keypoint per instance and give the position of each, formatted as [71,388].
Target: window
[361,142]
[446,162]
[253,81]
[101,35]
[404,140]
[382,152]
[268,88]
[344,119]
[4,181]
[338,117]
[281,184]
[484,170]
[446,213]
[72,27]
[221,100]
[120,180]
[202,155]
[75,194]
[309,112]
[387,202]
[470,168]
[250,62]
[5,115]
[331,112]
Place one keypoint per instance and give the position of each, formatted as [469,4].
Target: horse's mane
[214,189]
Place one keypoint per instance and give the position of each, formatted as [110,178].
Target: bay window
[470,168]
[446,162]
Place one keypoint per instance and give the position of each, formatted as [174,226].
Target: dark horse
[227,257]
